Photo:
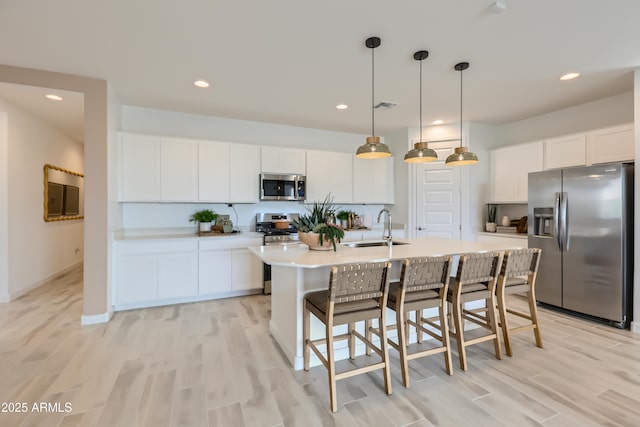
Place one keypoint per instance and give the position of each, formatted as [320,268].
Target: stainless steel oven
[267,224]
[282,187]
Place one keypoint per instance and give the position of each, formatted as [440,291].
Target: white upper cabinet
[281,160]
[569,150]
[612,144]
[213,171]
[244,173]
[165,169]
[139,168]
[373,180]
[329,172]
[510,167]
[178,170]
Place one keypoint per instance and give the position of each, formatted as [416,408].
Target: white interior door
[437,195]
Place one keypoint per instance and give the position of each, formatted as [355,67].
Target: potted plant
[316,229]
[344,216]
[491,218]
[205,218]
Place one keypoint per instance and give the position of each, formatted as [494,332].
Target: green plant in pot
[344,217]
[204,218]
[316,229]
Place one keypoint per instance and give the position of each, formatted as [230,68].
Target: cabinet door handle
[421,228]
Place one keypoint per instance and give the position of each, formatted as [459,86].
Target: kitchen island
[296,270]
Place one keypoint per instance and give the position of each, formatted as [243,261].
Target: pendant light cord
[420,100]
[373,88]
[461,71]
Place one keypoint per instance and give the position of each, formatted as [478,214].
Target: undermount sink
[368,244]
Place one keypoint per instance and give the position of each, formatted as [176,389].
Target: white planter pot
[205,226]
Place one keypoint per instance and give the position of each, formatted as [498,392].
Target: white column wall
[4,211]
[635,324]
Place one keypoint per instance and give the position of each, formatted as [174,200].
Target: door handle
[556,221]
[565,220]
[421,228]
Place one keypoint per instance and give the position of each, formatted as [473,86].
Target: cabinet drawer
[156,246]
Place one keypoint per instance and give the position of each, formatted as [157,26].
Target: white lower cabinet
[214,272]
[246,271]
[227,267]
[158,271]
[229,270]
[136,279]
[178,275]
[148,271]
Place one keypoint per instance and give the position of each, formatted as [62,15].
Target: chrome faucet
[386,233]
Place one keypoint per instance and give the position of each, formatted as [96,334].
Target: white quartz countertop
[178,233]
[300,256]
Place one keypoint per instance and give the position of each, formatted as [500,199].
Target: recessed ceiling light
[438,122]
[201,83]
[342,106]
[53,97]
[570,76]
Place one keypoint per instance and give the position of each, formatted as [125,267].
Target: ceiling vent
[385,105]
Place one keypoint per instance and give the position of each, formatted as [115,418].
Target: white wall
[4,212]
[480,137]
[399,142]
[159,122]
[114,221]
[176,215]
[592,115]
[37,250]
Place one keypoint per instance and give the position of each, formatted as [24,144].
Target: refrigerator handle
[556,222]
[565,220]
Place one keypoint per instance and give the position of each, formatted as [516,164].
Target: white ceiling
[67,115]
[292,61]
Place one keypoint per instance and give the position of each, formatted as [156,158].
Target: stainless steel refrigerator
[582,219]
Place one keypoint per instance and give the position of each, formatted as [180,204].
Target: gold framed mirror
[63,194]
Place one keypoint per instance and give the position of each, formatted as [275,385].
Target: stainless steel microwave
[282,187]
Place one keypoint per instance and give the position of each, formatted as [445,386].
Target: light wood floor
[214,364]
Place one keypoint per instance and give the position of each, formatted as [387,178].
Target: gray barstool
[518,275]
[475,280]
[357,292]
[424,282]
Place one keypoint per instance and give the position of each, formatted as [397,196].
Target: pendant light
[462,156]
[421,153]
[373,149]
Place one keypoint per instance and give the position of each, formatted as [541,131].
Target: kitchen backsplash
[171,215]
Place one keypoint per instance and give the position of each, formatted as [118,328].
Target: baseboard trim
[635,327]
[94,319]
[183,300]
[14,295]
